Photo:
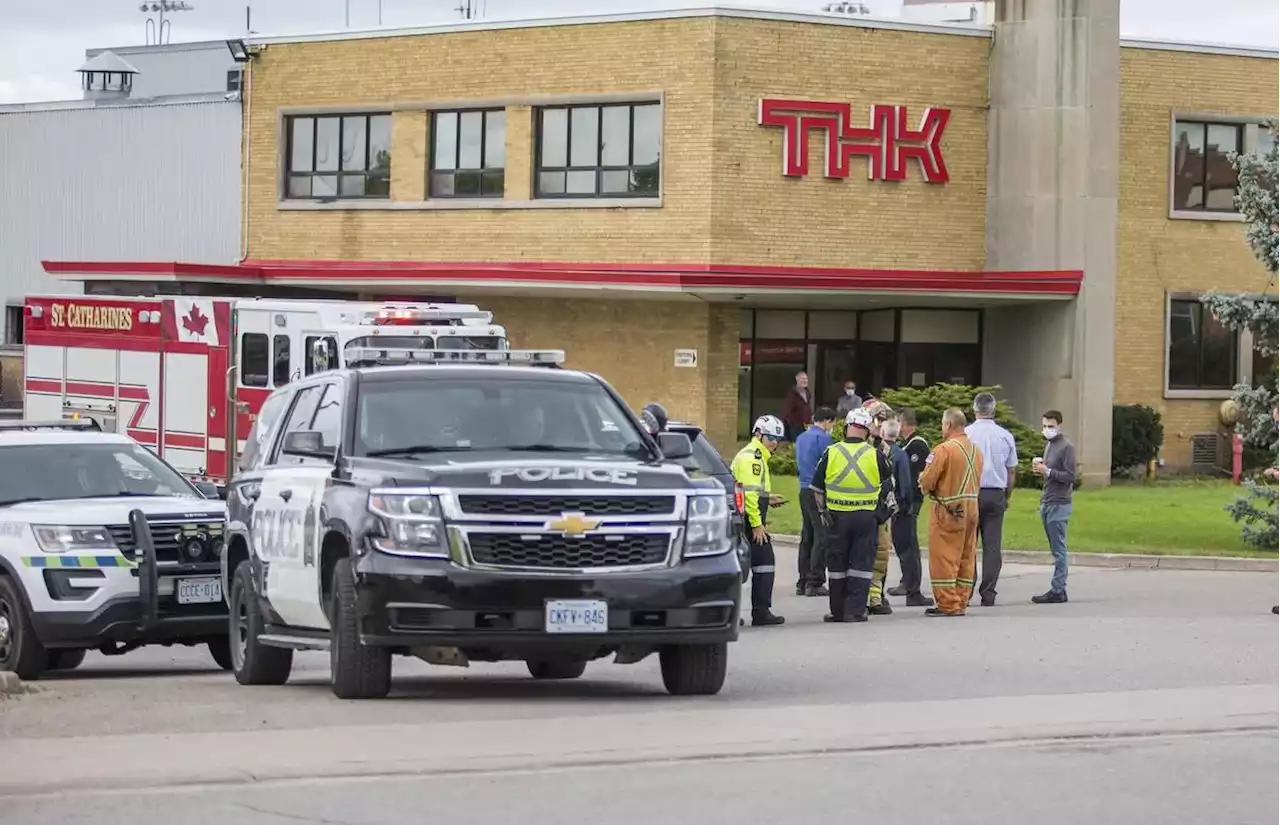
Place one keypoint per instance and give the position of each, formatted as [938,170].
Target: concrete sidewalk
[1117,560]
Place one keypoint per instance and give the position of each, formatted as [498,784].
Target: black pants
[813,556]
[762,574]
[851,559]
[991,506]
[906,541]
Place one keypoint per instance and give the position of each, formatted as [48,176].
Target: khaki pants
[884,546]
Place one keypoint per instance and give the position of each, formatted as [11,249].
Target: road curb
[1226,564]
[10,684]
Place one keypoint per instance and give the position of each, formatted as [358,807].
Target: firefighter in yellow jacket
[877,605]
[751,469]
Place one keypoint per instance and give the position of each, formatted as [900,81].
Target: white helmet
[860,417]
[770,427]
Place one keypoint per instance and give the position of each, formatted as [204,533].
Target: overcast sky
[42,42]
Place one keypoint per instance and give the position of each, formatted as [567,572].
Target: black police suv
[461,507]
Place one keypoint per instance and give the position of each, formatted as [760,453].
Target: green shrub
[930,402]
[1136,435]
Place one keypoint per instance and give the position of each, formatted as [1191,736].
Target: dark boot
[817,590]
[855,599]
[898,590]
[801,587]
[918,600]
[766,619]
[835,600]
[882,609]
[1050,598]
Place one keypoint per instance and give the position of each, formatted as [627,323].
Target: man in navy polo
[810,445]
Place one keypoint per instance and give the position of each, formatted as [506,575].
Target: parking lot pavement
[1147,652]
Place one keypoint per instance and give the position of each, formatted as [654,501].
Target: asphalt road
[1151,697]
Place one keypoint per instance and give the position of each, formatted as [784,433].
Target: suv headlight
[411,524]
[56,538]
[707,531]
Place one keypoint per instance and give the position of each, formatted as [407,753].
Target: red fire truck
[187,375]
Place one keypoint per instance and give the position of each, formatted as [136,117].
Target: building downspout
[246,133]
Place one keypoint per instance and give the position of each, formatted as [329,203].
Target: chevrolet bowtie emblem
[573,524]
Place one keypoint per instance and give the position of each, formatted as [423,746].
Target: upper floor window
[338,156]
[606,151]
[1202,352]
[235,78]
[1203,178]
[469,154]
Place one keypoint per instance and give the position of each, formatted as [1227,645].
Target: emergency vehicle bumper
[406,602]
[120,621]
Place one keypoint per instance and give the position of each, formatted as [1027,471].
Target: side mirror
[207,489]
[307,443]
[675,446]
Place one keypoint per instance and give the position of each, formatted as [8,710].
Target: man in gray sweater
[1058,467]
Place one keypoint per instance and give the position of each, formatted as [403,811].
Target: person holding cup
[1058,469]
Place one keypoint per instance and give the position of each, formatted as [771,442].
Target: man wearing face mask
[850,400]
[1058,467]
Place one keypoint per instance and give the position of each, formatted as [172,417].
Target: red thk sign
[887,143]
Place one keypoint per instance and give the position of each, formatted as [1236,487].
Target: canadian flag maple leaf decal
[195,321]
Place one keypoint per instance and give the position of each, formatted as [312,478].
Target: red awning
[707,280]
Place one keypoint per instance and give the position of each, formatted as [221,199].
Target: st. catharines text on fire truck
[84,316]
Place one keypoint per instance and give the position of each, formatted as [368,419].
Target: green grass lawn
[1169,518]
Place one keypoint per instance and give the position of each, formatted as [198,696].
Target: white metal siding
[177,69]
[128,183]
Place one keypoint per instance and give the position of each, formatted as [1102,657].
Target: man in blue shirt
[810,445]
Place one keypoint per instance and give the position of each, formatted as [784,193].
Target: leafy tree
[1256,201]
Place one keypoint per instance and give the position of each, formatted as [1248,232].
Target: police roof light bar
[71,424]
[385,357]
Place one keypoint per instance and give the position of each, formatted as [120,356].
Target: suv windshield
[86,470]
[487,342]
[480,414]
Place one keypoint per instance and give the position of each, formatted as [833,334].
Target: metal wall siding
[159,182]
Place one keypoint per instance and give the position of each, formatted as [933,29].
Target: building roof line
[1198,47]
[742,12]
[121,103]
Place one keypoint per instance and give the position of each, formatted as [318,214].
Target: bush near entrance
[1136,435]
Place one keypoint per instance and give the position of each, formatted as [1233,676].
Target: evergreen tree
[1256,201]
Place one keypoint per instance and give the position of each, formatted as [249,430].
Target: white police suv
[103,546]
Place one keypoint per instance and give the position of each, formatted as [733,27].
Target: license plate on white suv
[198,591]
[577,616]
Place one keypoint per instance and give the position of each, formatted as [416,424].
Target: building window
[1203,178]
[339,156]
[610,151]
[13,321]
[469,154]
[235,77]
[1202,352]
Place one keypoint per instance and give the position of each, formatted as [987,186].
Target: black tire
[556,668]
[252,663]
[694,670]
[20,650]
[220,650]
[64,659]
[357,671]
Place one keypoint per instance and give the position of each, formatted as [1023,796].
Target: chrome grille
[549,506]
[555,552]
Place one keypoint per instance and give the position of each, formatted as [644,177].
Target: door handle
[286,494]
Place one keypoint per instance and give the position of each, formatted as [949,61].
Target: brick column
[519,173]
[408,156]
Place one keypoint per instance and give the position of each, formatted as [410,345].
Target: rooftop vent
[106,76]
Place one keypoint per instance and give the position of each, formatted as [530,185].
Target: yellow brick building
[618,186]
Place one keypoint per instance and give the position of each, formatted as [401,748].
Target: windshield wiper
[9,501]
[548,448]
[421,449]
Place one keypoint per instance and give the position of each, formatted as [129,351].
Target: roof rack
[386,357]
[72,424]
